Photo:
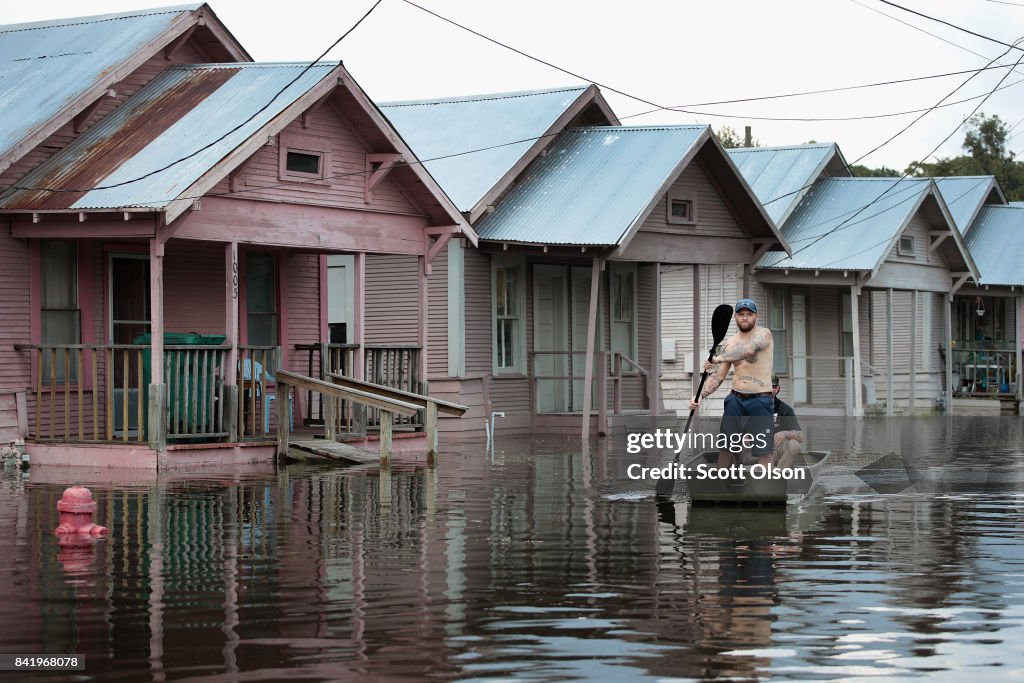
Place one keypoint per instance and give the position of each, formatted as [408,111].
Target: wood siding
[301,280]
[15,366]
[711,209]
[478,313]
[392,299]
[437,327]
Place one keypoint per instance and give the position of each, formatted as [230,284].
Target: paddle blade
[720,320]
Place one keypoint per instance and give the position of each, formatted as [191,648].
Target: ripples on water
[534,562]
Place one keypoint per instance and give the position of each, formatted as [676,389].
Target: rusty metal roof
[182,110]
[46,66]
[996,241]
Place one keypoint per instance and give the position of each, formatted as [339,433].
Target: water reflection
[535,562]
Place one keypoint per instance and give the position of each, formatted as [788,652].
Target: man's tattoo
[712,383]
[748,378]
[747,350]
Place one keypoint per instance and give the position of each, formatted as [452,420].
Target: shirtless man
[749,407]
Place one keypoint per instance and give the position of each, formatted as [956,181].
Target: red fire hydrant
[76,509]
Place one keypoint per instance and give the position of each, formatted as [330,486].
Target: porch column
[913,350]
[423,325]
[588,373]
[157,391]
[654,379]
[231,284]
[698,361]
[890,403]
[948,315]
[359,315]
[858,396]
[1020,351]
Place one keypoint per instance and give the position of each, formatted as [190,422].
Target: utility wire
[1012,46]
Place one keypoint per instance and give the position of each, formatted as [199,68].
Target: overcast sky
[671,53]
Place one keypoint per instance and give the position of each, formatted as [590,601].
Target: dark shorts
[753,416]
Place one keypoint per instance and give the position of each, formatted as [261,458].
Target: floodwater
[535,562]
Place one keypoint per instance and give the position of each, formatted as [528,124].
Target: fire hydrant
[76,509]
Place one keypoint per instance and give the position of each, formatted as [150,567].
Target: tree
[860,171]
[731,139]
[985,142]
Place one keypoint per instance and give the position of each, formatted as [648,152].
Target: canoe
[751,484]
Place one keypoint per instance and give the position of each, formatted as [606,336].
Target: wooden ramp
[322,449]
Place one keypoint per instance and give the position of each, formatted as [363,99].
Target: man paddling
[750,406]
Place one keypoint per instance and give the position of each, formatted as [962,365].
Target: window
[302,162]
[905,247]
[60,314]
[303,157]
[261,299]
[622,281]
[681,208]
[509,342]
[777,325]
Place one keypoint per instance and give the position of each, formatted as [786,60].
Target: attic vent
[302,162]
[905,246]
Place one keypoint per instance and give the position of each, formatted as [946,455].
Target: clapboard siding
[712,213]
[392,299]
[477,284]
[301,276]
[823,318]
[194,288]
[187,54]
[918,229]
[437,327]
[345,186]
[15,366]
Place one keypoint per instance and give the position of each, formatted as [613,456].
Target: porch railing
[396,366]
[257,389]
[984,372]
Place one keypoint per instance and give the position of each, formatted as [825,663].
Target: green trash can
[182,381]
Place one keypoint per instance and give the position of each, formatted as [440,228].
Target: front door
[129,317]
[551,338]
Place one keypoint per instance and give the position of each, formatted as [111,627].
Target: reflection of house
[209,200]
[572,247]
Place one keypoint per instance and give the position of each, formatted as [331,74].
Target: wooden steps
[323,449]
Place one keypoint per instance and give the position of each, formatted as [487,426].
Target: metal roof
[45,66]
[779,176]
[964,195]
[1016,203]
[826,232]
[444,127]
[180,111]
[592,185]
[996,241]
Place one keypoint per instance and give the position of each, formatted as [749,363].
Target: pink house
[168,254]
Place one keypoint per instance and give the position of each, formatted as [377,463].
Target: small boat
[750,484]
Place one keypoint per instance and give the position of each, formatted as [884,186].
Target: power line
[1012,46]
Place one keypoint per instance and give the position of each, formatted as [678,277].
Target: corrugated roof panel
[778,175]
[179,112]
[590,187]
[996,242]
[963,195]
[444,127]
[44,66]
[826,232]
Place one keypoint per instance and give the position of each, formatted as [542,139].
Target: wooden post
[697,359]
[230,378]
[423,326]
[858,396]
[430,417]
[330,417]
[913,351]
[156,393]
[386,419]
[602,394]
[1020,349]
[281,409]
[948,315]
[890,408]
[588,372]
[359,316]
[654,378]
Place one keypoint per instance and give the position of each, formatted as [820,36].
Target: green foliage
[985,142]
[860,171]
[730,138]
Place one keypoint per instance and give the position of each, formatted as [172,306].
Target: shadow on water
[535,561]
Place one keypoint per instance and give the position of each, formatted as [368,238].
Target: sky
[669,53]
